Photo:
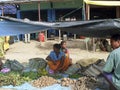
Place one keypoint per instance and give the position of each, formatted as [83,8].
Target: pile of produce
[67,82]
[44,81]
[85,83]
[82,83]
[42,78]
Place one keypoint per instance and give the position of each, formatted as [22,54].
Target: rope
[70,12]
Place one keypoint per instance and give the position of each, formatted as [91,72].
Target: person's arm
[48,58]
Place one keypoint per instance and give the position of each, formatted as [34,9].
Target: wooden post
[59,34]
[118,12]
[3,11]
[88,18]
[39,16]
[74,36]
[46,35]
[87,12]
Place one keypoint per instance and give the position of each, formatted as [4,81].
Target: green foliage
[12,78]
[31,75]
[55,76]
[42,72]
[75,76]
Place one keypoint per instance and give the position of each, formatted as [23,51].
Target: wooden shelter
[103,4]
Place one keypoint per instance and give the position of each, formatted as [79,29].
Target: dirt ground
[24,51]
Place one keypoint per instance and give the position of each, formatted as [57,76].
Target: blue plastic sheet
[56,87]
[27,86]
[92,28]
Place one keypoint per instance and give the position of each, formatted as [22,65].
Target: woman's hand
[49,58]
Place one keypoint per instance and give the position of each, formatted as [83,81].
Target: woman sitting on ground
[65,50]
[57,61]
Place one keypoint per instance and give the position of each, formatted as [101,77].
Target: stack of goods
[44,81]
[85,83]
[82,83]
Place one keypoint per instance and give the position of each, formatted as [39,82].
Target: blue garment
[54,56]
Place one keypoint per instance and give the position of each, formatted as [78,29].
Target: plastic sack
[37,63]
[14,65]
[73,69]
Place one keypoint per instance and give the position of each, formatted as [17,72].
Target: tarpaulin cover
[9,27]
[27,86]
[91,28]
[103,3]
